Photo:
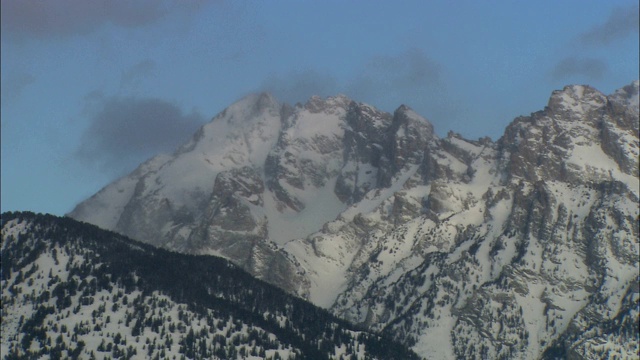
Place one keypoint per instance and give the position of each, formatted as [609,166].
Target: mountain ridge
[72,290]
[373,216]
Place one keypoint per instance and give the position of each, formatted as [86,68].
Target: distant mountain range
[525,247]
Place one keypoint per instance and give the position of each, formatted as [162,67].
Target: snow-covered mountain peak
[630,93]
[582,136]
[627,99]
[373,216]
[405,115]
[250,106]
[317,104]
[243,133]
[576,101]
[239,119]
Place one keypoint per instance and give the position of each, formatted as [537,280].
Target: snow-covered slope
[73,291]
[456,247]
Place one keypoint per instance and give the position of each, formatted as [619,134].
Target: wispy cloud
[409,69]
[63,18]
[622,22]
[124,131]
[590,68]
[578,65]
[299,86]
[135,74]
[13,84]
[411,77]
[408,73]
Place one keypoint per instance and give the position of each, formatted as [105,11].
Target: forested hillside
[72,290]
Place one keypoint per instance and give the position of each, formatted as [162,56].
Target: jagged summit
[575,101]
[628,95]
[254,103]
[432,240]
[581,136]
[318,104]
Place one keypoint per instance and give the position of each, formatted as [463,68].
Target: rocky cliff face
[521,248]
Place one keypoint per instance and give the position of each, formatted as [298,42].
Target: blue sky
[92,88]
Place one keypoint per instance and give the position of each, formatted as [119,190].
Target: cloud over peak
[592,69]
[124,131]
[299,86]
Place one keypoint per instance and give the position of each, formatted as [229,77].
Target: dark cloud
[622,22]
[63,18]
[411,72]
[300,86]
[410,69]
[592,69]
[132,76]
[125,131]
[13,84]
[411,78]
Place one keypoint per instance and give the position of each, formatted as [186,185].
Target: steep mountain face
[260,175]
[540,240]
[521,248]
[72,290]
